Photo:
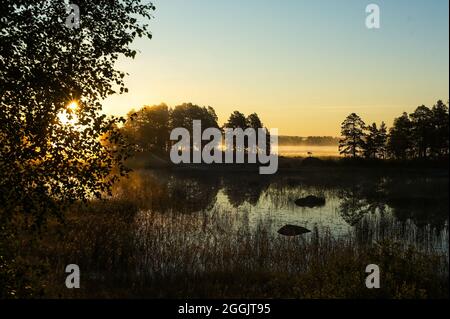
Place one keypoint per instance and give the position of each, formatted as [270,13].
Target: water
[405,206]
[308,150]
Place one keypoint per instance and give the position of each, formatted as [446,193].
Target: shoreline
[295,164]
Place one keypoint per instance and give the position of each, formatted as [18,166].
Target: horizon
[303,67]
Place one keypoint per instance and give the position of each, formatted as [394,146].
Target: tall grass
[130,253]
[164,235]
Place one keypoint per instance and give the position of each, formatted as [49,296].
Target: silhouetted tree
[422,131]
[375,141]
[381,141]
[237,120]
[254,121]
[148,128]
[422,134]
[370,145]
[184,114]
[46,162]
[352,132]
[440,136]
[400,138]
[52,155]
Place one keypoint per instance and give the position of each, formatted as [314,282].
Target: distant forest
[422,134]
[147,129]
[309,140]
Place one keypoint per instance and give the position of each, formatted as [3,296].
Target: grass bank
[126,253]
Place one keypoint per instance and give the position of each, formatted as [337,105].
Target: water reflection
[240,190]
[404,206]
[361,199]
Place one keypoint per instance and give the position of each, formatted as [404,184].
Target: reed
[124,252]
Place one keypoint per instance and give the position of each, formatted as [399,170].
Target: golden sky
[302,66]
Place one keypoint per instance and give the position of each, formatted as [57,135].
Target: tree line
[423,134]
[148,129]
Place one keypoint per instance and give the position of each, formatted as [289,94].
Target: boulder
[310,201]
[292,230]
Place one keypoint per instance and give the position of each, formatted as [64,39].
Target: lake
[303,150]
[404,205]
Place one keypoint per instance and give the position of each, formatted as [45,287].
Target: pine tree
[400,143]
[381,141]
[352,132]
[370,145]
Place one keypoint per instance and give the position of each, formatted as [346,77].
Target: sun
[72,106]
[66,116]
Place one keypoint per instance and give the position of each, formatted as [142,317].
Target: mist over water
[308,150]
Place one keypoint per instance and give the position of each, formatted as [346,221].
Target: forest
[422,134]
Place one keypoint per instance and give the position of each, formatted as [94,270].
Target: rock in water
[292,230]
[310,201]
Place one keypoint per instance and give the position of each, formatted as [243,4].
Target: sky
[301,65]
